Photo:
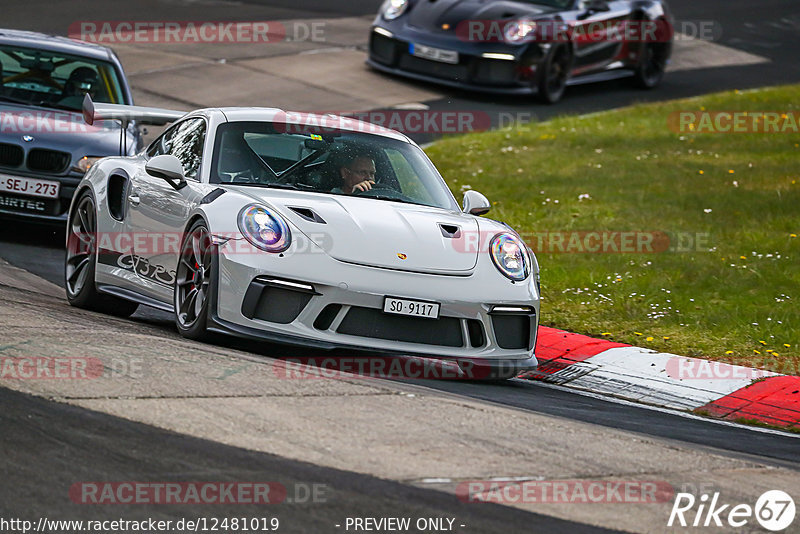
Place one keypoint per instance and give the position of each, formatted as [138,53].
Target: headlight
[392,9]
[519,30]
[85,163]
[264,229]
[509,256]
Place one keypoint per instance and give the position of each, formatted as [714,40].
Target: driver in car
[358,175]
[82,81]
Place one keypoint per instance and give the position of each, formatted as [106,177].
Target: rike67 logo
[774,510]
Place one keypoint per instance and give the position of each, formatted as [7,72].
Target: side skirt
[128,294]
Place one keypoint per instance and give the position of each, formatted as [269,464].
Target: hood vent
[308,214]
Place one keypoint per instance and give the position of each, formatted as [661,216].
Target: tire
[554,74]
[80,263]
[651,65]
[193,283]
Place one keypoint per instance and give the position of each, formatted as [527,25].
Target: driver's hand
[366,185]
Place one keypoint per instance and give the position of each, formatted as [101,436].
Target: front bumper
[473,71]
[327,304]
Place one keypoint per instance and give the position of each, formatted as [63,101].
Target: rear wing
[142,115]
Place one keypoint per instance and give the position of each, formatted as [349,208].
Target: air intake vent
[308,214]
[368,322]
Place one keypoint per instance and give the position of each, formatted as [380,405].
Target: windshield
[51,79]
[262,154]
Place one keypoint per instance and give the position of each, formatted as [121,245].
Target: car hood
[432,15]
[58,130]
[379,233]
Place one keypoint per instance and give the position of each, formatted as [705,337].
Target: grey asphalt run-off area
[166,409]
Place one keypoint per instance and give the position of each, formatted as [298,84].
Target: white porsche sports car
[308,230]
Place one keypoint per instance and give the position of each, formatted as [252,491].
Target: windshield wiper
[392,199]
[53,105]
[270,185]
[16,100]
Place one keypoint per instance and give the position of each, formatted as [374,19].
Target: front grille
[44,160]
[446,71]
[369,322]
[11,155]
[495,72]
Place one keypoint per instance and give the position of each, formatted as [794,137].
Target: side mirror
[476,204]
[169,168]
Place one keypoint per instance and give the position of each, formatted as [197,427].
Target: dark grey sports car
[523,46]
[45,146]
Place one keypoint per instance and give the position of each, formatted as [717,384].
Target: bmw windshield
[263,154]
[51,79]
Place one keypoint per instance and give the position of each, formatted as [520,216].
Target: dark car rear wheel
[193,283]
[554,74]
[79,265]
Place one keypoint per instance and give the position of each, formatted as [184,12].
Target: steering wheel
[383,190]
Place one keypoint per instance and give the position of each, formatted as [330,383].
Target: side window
[162,145]
[187,145]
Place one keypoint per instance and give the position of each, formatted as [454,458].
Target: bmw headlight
[509,256]
[392,9]
[264,229]
[518,31]
[85,163]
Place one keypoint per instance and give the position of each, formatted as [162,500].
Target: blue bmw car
[45,145]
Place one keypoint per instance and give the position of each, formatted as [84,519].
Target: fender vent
[308,214]
[212,196]
[117,185]
[450,230]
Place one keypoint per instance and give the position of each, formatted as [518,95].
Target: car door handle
[134,200]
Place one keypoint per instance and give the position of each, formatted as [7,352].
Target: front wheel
[554,75]
[79,264]
[193,283]
[652,65]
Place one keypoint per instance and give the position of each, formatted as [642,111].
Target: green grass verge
[733,298]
